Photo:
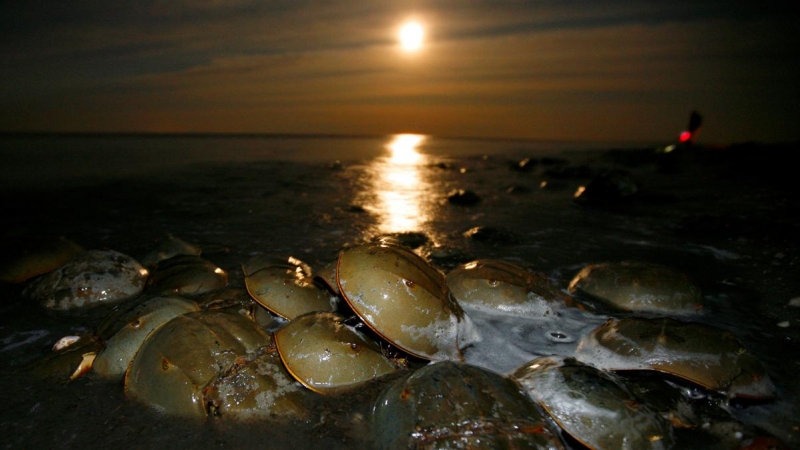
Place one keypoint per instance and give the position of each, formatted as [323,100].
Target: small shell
[67,362]
[325,354]
[65,342]
[87,360]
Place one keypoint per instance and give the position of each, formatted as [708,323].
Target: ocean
[45,159]
[726,216]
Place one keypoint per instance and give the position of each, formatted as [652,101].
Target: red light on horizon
[685,136]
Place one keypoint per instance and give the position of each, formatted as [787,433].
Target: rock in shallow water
[463,197]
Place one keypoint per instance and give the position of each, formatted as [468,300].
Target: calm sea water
[53,159]
[725,218]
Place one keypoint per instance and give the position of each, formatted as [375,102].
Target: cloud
[193,65]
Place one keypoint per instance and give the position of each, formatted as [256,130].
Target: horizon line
[275,135]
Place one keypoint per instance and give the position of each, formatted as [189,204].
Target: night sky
[575,70]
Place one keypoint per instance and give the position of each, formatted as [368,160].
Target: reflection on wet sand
[398,185]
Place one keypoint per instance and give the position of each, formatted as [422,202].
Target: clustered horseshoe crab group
[186,344]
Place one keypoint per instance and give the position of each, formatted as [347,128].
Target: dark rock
[610,188]
[525,165]
[461,197]
[516,189]
[492,235]
[356,209]
[410,239]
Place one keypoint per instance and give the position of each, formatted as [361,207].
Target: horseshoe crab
[639,286]
[404,299]
[25,258]
[285,286]
[124,333]
[325,354]
[450,404]
[237,300]
[501,286]
[699,353]
[90,278]
[699,420]
[168,247]
[188,275]
[327,277]
[592,406]
[213,362]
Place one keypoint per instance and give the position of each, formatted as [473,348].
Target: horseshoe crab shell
[166,248]
[90,278]
[285,286]
[450,404]
[124,333]
[403,299]
[188,275]
[257,389]
[696,352]
[325,354]
[502,286]
[639,286]
[26,257]
[212,362]
[237,300]
[327,276]
[592,406]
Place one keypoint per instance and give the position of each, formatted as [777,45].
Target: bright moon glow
[404,148]
[411,35]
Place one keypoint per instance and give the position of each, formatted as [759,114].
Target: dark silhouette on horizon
[695,120]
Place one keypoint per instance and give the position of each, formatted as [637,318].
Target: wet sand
[727,217]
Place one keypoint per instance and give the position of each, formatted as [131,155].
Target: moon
[411,36]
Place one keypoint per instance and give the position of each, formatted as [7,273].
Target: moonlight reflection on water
[399,185]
